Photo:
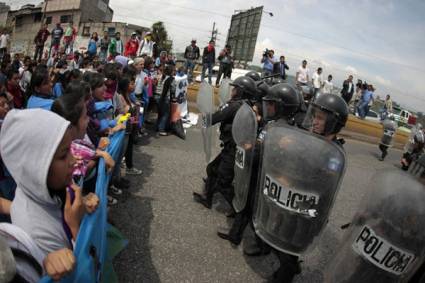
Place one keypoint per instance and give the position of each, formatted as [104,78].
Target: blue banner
[91,245]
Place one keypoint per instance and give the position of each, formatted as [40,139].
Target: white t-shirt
[303,74]
[4,38]
[328,87]
[317,80]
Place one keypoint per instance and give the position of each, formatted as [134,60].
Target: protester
[104,45]
[328,85]
[226,64]
[12,86]
[69,38]
[168,89]
[147,46]
[40,89]
[132,46]
[57,34]
[367,97]
[4,43]
[92,47]
[162,59]
[191,54]
[208,61]
[347,89]
[302,75]
[116,47]
[39,41]
[387,109]
[317,80]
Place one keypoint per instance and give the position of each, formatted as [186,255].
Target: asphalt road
[173,239]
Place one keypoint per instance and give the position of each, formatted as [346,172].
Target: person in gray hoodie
[35,146]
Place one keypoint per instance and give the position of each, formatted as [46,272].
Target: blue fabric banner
[91,245]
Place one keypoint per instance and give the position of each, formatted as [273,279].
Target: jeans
[164,117]
[225,70]
[190,65]
[206,66]
[103,55]
[38,52]
[363,108]
[55,45]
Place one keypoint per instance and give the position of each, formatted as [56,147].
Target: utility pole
[214,33]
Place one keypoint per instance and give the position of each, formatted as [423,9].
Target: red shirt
[16,92]
[131,47]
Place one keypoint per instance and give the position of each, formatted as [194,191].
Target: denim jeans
[363,108]
[206,66]
[190,65]
[164,118]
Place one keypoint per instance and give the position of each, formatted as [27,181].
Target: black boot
[205,201]
[226,235]
[289,267]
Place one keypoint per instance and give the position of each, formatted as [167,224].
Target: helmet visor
[320,121]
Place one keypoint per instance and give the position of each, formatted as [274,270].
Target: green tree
[160,36]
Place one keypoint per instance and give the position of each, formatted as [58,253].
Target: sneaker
[133,171]
[112,201]
[123,166]
[125,181]
[163,134]
[115,190]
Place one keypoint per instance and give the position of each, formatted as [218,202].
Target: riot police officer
[220,171]
[386,240]
[280,104]
[291,208]
[389,127]
[253,75]
[414,147]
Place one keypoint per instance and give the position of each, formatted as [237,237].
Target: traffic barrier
[91,246]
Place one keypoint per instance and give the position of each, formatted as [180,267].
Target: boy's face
[4,107]
[131,86]
[61,168]
[98,92]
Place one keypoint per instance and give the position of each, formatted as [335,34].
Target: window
[111,32]
[66,19]
[86,31]
[48,20]
[18,21]
[37,17]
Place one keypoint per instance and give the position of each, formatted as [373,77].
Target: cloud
[382,81]
[351,69]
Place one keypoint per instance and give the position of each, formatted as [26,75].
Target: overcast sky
[381,41]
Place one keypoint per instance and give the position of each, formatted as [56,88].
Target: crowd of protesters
[54,106]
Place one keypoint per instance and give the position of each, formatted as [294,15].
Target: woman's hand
[74,212]
[109,161]
[59,263]
[91,202]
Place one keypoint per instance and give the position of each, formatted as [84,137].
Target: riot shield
[225,90]
[300,177]
[409,146]
[205,103]
[386,239]
[417,168]
[389,131]
[244,131]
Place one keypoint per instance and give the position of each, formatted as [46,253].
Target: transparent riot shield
[225,90]
[205,103]
[300,177]
[409,146]
[244,131]
[386,239]
[389,132]
[417,168]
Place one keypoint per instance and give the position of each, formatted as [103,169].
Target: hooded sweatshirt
[34,134]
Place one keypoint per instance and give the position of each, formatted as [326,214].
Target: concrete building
[77,11]
[25,24]
[4,12]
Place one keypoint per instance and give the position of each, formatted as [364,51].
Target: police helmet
[253,75]
[245,86]
[278,81]
[335,111]
[286,101]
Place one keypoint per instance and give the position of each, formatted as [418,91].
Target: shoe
[115,190]
[133,171]
[163,134]
[121,185]
[123,166]
[125,181]
[112,201]
[202,200]
[254,249]
[224,234]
